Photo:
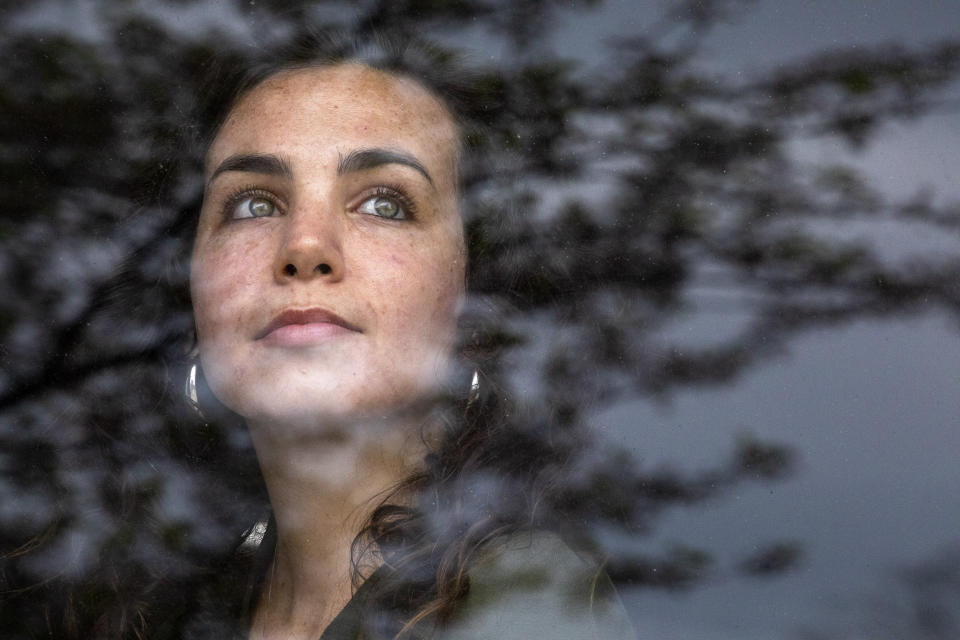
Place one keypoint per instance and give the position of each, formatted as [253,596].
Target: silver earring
[190,391]
[474,394]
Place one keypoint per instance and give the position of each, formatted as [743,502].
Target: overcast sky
[872,408]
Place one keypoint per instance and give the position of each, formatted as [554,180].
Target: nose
[311,247]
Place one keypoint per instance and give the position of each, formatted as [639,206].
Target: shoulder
[534,585]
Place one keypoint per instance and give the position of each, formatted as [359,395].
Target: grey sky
[873,408]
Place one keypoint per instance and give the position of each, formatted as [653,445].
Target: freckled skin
[399,281]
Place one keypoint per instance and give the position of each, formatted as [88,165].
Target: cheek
[212,315]
[425,296]
[220,280]
[223,288]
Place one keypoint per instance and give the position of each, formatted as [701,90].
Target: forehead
[337,108]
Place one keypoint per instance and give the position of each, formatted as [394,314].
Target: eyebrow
[254,163]
[363,159]
[358,160]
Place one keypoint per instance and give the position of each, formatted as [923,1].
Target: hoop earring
[190,391]
[474,394]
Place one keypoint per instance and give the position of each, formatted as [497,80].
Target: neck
[323,484]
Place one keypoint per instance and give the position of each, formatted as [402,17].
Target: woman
[327,270]
[328,279]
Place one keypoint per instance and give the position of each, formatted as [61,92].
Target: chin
[314,394]
[328,406]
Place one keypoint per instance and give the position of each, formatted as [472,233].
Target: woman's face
[328,266]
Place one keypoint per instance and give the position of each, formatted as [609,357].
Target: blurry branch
[772,560]
[57,374]
[616,493]
[680,568]
[61,368]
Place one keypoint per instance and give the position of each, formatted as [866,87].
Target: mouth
[304,326]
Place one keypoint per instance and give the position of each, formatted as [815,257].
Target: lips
[302,324]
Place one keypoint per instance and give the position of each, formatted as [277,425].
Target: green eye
[386,207]
[383,207]
[259,207]
[255,207]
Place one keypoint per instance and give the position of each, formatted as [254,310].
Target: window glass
[480,306]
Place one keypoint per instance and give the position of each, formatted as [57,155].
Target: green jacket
[530,586]
[535,586]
